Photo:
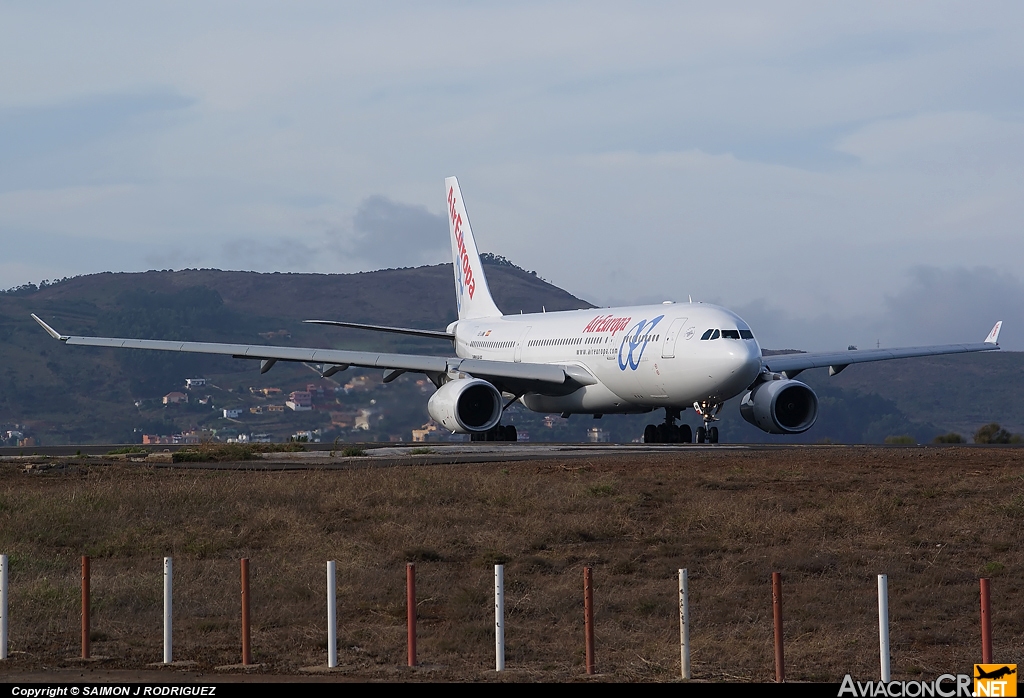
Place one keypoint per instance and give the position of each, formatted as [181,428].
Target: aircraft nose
[745,360]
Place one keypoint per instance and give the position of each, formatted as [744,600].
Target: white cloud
[809,155]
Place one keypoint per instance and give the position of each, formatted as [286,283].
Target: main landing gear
[498,433]
[668,432]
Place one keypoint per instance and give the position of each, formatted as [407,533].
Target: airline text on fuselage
[467,270]
[607,323]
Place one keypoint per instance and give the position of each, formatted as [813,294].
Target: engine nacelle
[466,406]
[780,407]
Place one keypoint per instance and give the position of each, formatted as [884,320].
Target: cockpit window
[707,335]
[714,335]
[746,334]
[730,334]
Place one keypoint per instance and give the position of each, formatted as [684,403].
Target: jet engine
[466,406]
[780,407]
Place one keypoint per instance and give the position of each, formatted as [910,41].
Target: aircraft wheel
[702,435]
[685,434]
[673,433]
[510,433]
[662,434]
[650,434]
[713,435]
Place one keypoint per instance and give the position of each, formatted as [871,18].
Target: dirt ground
[829,518]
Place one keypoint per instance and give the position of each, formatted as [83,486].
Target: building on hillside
[319,390]
[175,398]
[597,435]
[344,419]
[274,408]
[312,437]
[428,432]
[300,401]
[191,383]
[232,413]
[360,384]
[363,420]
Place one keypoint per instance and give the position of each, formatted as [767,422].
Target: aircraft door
[668,349]
[521,343]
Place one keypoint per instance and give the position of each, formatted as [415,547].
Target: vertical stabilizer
[471,292]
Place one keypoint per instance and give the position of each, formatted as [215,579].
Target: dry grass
[829,519]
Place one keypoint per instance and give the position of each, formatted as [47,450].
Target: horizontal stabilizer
[431,334]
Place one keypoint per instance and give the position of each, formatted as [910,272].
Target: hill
[58,395]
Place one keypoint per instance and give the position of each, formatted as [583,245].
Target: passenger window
[707,335]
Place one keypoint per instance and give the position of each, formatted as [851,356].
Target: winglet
[49,330]
[993,336]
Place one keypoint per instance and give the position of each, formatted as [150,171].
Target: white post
[3,607]
[883,624]
[332,616]
[684,623]
[499,618]
[168,628]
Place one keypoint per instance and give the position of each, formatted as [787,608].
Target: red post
[85,607]
[246,634]
[410,603]
[986,624]
[780,662]
[588,615]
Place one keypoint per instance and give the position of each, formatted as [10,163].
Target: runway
[328,456]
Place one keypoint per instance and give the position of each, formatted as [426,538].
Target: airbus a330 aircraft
[671,356]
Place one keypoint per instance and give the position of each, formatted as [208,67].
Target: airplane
[635,359]
[995,673]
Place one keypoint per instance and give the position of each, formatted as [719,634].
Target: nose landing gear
[668,432]
[709,413]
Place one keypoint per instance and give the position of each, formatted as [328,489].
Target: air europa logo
[607,323]
[636,339]
[467,270]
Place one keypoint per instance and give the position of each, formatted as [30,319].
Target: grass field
[829,518]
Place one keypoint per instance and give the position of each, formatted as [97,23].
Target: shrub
[950,438]
[901,439]
[994,434]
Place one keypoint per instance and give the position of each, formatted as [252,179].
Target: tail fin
[471,290]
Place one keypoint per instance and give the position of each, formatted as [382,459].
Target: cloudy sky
[835,172]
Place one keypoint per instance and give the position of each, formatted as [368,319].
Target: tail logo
[466,268]
[636,338]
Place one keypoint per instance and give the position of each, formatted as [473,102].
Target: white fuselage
[643,357]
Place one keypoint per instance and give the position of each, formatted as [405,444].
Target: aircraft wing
[792,364]
[503,373]
[430,334]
